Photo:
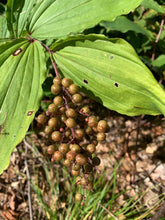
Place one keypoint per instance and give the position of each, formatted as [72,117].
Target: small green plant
[107,70]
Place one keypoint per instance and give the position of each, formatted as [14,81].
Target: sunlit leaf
[22,71]
[57,19]
[109,71]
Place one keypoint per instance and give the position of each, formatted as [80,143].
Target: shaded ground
[136,145]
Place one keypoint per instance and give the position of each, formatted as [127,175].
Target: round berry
[70,123]
[62,109]
[102,126]
[57,155]
[68,133]
[63,118]
[81,159]
[51,149]
[67,163]
[66,82]
[58,100]
[75,148]
[95,161]
[71,113]
[101,136]
[77,98]
[52,108]
[78,197]
[57,80]
[41,119]
[55,89]
[79,133]
[73,89]
[53,122]
[75,172]
[63,148]
[78,180]
[71,155]
[88,130]
[48,129]
[92,121]
[91,148]
[85,110]
[84,181]
[56,136]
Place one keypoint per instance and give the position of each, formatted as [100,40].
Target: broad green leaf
[151,4]
[17,14]
[57,19]
[160,61]
[22,72]
[124,25]
[109,71]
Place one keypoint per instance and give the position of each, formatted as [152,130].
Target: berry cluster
[74,131]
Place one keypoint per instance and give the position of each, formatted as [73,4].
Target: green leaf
[123,24]
[160,61]
[4,33]
[151,4]
[109,71]
[22,72]
[57,19]
[17,14]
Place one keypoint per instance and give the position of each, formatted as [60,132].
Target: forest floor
[136,145]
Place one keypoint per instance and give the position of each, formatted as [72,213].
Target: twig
[109,212]
[157,39]
[28,181]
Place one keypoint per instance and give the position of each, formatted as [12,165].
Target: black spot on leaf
[17,52]
[116,84]
[136,107]
[30,113]
[85,81]
[111,57]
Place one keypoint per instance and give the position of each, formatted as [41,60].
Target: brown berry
[48,129]
[91,148]
[71,155]
[75,148]
[66,82]
[63,148]
[41,119]
[58,100]
[70,123]
[102,126]
[57,80]
[81,159]
[77,98]
[55,89]
[57,155]
[79,133]
[101,136]
[92,121]
[73,89]
[51,149]
[56,136]
[53,122]
[75,172]
[67,163]
[71,113]
[78,197]
[53,108]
